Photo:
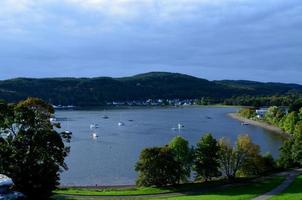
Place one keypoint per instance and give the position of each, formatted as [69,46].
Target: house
[261,112]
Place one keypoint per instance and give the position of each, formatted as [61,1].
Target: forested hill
[154,85]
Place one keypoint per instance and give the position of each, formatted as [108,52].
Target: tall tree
[206,158]
[157,167]
[233,159]
[32,152]
[290,121]
[183,155]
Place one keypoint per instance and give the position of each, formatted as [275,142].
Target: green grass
[109,192]
[243,192]
[293,192]
[139,190]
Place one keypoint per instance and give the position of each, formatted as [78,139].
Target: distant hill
[153,85]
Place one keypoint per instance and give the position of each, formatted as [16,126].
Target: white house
[261,112]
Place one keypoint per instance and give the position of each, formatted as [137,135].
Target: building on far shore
[260,113]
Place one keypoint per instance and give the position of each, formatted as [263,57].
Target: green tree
[253,163]
[32,152]
[274,115]
[206,158]
[298,128]
[227,159]
[239,157]
[286,158]
[157,167]
[296,148]
[247,113]
[290,121]
[183,155]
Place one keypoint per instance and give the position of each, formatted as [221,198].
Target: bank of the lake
[261,124]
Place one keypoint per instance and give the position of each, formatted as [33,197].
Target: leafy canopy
[32,152]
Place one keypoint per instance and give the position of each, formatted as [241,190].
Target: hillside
[154,85]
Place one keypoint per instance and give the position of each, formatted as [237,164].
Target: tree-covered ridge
[154,85]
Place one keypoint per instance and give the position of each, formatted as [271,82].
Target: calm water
[110,159]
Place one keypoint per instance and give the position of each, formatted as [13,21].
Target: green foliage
[247,113]
[274,115]
[32,152]
[285,159]
[206,157]
[258,100]
[295,106]
[227,159]
[158,167]
[289,122]
[244,158]
[183,155]
[298,128]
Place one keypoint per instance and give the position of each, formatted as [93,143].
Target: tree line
[289,119]
[157,85]
[210,158]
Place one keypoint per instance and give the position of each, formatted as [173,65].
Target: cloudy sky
[214,39]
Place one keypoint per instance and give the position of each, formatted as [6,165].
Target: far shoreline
[264,125]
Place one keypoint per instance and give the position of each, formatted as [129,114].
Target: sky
[213,39]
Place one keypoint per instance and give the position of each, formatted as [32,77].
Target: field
[214,191]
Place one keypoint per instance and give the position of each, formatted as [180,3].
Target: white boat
[53,119]
[94,135]
[121,124]
[180,126]
[68,132]
[94,126]
[245,123]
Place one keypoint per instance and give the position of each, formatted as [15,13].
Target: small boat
[105,117]
[208,117]
[130,120]
[53,119]
[180,126]
[94,126]
[94,135]
[121,124]
[68,132]
[245,123]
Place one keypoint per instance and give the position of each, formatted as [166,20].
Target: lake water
[110,159]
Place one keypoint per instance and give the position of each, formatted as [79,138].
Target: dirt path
[291,176]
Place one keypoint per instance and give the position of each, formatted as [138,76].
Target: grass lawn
[109,192]
[243,192]
[139,190]
[293,192]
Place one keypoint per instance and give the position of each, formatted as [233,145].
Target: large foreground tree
[32,151]
[183,155]
[206,158]
[157,166]
[244,157]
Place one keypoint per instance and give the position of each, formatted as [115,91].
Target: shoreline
[264,125]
